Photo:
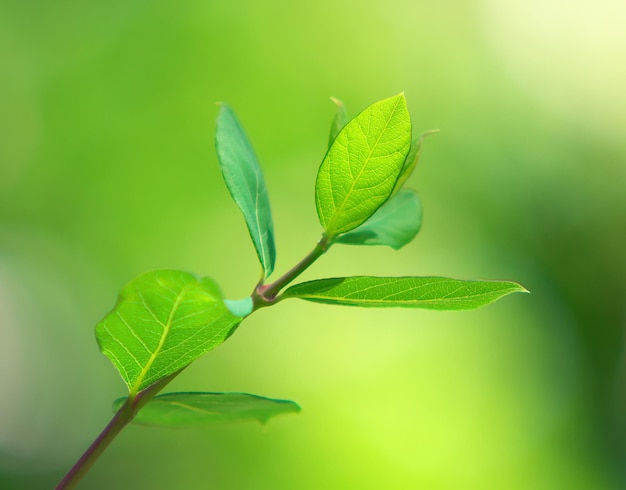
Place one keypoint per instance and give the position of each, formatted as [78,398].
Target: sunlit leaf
[244,179]
[361,167]
[163,320]
[197,409]
[411,159]
[395,223]
[434,293]
[339,121]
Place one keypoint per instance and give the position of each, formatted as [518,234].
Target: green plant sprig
[166,319]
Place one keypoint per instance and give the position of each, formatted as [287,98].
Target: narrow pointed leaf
[395,223]
[411,159]
[361,167]
[434,293]
[339,121]
[163,320]
[198,409]
[245,182]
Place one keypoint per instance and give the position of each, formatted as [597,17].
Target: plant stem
[86,461]
[265,294]
[122,417]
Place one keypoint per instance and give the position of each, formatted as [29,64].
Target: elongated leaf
[197,409]
[163,320]
[434,293]
[339,121]
[411,159]
[395,223]
[244,179]
[361,167]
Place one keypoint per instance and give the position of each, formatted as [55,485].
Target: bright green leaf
[395,223]
[434,293]
[196,409]
[163,320]
[339,121]
[244,179]
[361,167]
[411,159]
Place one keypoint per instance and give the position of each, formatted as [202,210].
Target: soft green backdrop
[107,169]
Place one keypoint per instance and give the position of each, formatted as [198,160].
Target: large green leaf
[163,320]
[339,121]
[244,179]
[434,293]
[361,167]
[196,409]
[395,223]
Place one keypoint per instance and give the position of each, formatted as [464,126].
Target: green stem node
[266,294]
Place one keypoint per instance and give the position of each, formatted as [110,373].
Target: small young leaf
[434,293]
[240,307]
[361,167]
[163,320]
[395,223]
[244,179]
[411,159]
[196,409]
[339,121]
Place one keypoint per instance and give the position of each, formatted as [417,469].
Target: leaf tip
[337,102]
[428,133]
[223,106]
[516,287]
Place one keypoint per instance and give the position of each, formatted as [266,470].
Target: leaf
[411,159]
[163,320]
[434,293]
[361,167]
[197,409]
[339,121]
[395,223]
[240,307]
[244,179]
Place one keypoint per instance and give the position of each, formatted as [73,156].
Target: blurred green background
[107,169]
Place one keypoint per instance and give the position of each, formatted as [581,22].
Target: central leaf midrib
[191,408]
[375,300]
[264,255]
[166,330]
[339,209]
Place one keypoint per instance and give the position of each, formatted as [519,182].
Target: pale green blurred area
[107,169]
